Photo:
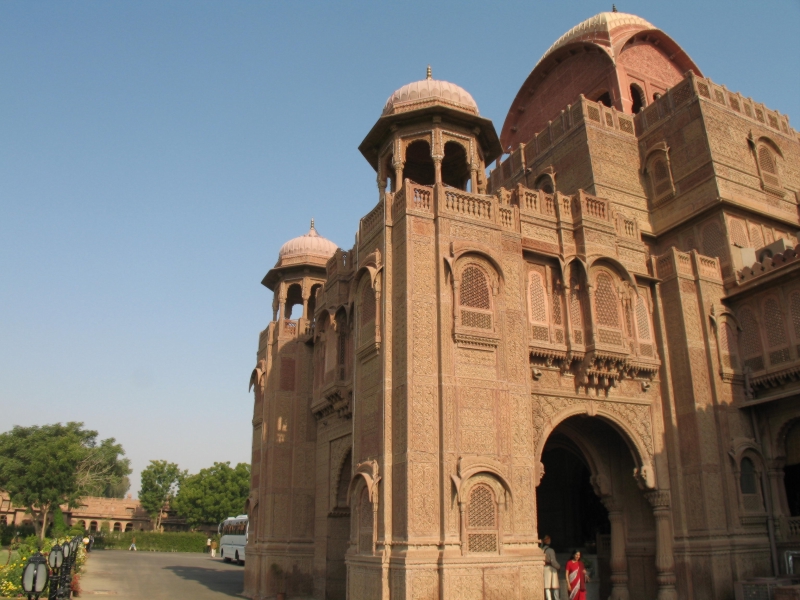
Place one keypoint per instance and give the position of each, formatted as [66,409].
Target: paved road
[155,575]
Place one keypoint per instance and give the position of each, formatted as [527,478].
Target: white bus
[233,537]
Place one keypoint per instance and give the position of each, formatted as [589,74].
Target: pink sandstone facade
[599,340]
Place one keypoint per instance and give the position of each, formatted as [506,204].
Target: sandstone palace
[587,327]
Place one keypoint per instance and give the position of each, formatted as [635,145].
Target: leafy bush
[153,541]
[9,532]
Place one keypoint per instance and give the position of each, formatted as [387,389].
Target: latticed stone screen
[713,240]
[364,523]
[367,305]
[642,322]
[482,542]
[556,306]
[606,303]
[765,161]
[773,321]
[728,347]
[756,237]
[470,318]
[739,234]
[474,289]
[481,508]
[794,306]
[482,520]
[752,349]
[538,299]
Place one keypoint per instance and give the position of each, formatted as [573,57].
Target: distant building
[120,514]
[599,340]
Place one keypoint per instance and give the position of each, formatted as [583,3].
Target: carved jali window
[606,304]
[739,234]
[768,166]
[482,521]
[575,310]
[364,523]
[367,312]
[794,307]
[775,329]
[749,487]
[661,185]
[538,299]
[756,237]
[475,299]
[727,342]
[714,241]
[643,326]
[750,340]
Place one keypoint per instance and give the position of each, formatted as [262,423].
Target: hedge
[152,541]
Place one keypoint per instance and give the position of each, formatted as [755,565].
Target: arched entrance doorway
[338,536]
[589,500]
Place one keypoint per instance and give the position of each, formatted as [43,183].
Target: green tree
[43,467]
[160,482]
[213,494]
[102,471]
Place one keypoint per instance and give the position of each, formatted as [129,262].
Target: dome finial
[428,74]
[312,223]
[613,8]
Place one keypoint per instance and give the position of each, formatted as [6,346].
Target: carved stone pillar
[473,168]
[619,561]
[398,174]
[665,560]
[437,167]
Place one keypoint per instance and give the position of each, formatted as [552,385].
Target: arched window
[3,520]
[538,297]
[364,523]
[604,99]
[747,477]
[482,522]
[713,241]
[756,237]
[776,332]
[769,168]
[367,304]
[128,526]
[773,321]
[637,98]
[727,341]
[545,184]
[475,298]
[660,176]
[455,166]
[575,308]
[739,234]
[794,307]
[606,304]
[117,526]
[93,526]
[750,340]
[419,163]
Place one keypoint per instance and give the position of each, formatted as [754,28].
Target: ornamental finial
[613,8]
[429,73]
[312,223]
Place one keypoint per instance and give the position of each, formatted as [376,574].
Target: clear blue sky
[155,155]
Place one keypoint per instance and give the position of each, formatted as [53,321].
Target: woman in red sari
[576,577]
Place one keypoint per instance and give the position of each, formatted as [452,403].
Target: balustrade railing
[468,205]
[290,327]
[371,221]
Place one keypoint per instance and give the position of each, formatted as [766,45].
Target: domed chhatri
[309,244]
[428,91]
[308,250]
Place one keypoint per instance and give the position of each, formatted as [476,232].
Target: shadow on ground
[224,581]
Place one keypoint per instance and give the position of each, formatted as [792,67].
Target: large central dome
[429,91]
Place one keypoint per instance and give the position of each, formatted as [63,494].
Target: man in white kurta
[551,567]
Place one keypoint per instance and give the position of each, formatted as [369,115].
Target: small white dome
[310,244]
[429,91]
